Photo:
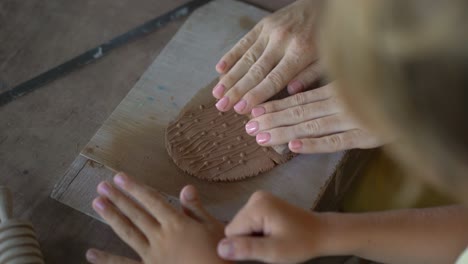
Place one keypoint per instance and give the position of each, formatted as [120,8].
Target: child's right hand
[270,230]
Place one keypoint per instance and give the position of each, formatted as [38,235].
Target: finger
[235,74]
[312,96]
[255,75]
[240,68]
[247,248]
[148,197]
[192,206]
[355,138]
[305,78]
[314,128]
[249,220]
[236,52]
[95,256]
[274,82]
[292,116]
[121,225]
[132,210]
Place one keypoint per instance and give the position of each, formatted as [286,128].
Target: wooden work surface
[132,139]
[41,133]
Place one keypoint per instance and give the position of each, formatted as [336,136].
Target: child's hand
[153,228]
[270,230]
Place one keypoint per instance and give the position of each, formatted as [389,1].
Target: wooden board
[132,139]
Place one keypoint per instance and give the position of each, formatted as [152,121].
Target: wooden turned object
[18,242]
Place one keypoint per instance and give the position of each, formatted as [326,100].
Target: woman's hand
[153,228]
[311,122]
[278,51]
[270,230]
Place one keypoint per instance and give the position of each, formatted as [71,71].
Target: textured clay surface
[214,146]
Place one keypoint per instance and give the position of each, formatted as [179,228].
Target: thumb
[192,205]
[247,248]
[306,78]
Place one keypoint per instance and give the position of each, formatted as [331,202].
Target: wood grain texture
[44,35]
[42,133]
[82,169]
[132,139]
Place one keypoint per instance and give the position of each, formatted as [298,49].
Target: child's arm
[431,235]
[290,234]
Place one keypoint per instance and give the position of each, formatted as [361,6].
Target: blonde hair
[402,67]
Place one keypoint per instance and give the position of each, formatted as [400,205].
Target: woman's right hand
[276,53]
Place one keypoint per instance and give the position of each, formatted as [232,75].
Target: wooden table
[41,133]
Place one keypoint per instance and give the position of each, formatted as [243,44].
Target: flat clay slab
[213,145]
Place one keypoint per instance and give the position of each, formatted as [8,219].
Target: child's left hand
[153,228]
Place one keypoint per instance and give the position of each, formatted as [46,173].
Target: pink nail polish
[258,111]
[240,106]
[222,104]
[189,193]
[295,144]
[295,87]
[221,66]
[91,255]
[218,91]
[225,249]
[100,204]
[103,188]
[251,127]
[120,179]
[263,137]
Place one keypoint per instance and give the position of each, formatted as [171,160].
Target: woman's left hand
[310,122]
[157,231]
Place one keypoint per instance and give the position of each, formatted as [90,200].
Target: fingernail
[222,104]
[189,193]
[225,249]
[240,106]
[258,111]
[120,179]
[251,127]
[295,144]
[295,87]
[221,66]
[91,255]
[218,91]
[263,137]
[100,204]
[103,188]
